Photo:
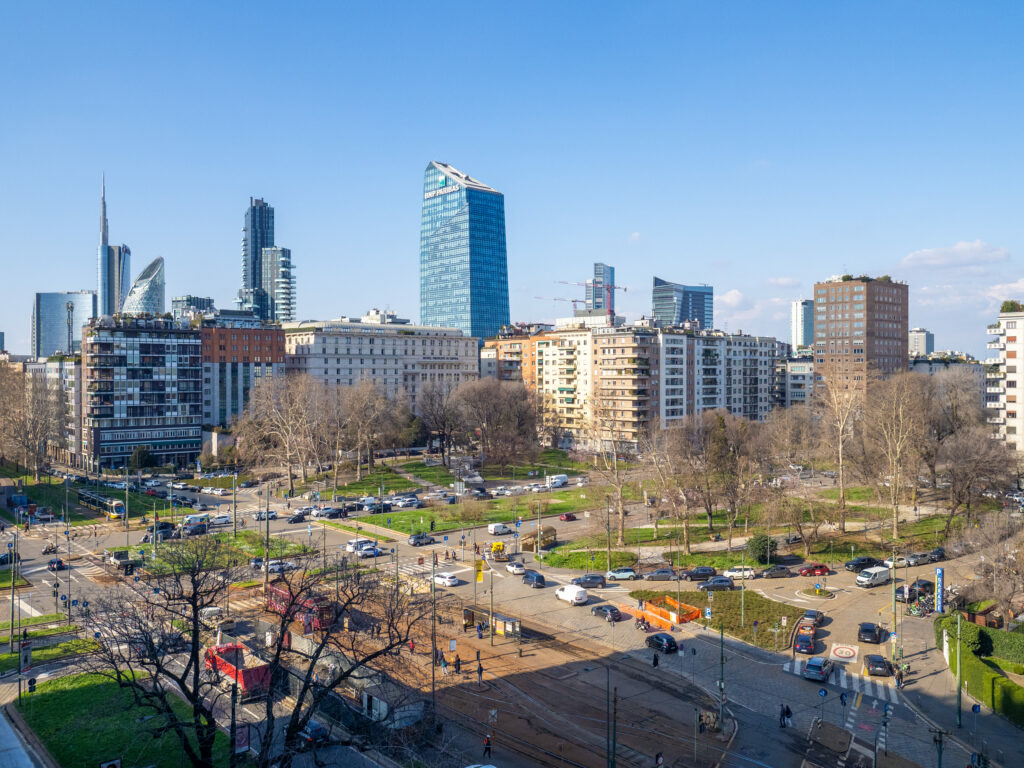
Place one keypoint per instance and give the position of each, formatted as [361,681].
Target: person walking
[487,745]
[412,646]
[477,655]
[899,678]
[782,716]
[458,665]
[789,717]
[444,666]
[479,634]
[654,661]
[479,674]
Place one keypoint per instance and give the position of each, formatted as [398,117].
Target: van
[557,481]
[534,580]
[498,529]
[873,577]
[213,617]
[572,594]
[354,545]
[194,520]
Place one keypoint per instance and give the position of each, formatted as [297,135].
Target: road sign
[940,588]
[842,699]
[818,585]
[783,621]
[755,622]
[515,535]
[85,603]
[446,539]
[976,708]
[823,692]
[844,652]
[707,613]
[711,596]
[892,637]
[63,598]
[26,656]
[74,603]
[518,523]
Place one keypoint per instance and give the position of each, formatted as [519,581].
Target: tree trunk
[621,509]
[359,463]
[842,490]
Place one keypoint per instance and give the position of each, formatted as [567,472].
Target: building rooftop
[461,178]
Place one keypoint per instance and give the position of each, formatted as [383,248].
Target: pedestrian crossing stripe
[884,690]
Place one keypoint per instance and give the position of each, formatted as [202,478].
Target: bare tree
[663,451]
[950,402]
[839,408]
[604,433]
[974,462]
[999,541]
[503,418]
[441,415]
[34,415]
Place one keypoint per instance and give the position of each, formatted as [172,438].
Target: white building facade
[1004,377]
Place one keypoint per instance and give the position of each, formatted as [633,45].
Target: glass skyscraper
[673,304]
[463,259]
[147,293]
[278,285]
[257,234]
[50,328]
[113,268]
[599,296]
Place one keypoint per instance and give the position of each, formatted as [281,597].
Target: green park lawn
[438,475]
[737,613]
[550,461]
[87,720]
[75,647]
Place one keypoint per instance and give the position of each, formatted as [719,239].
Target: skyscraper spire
[103,209]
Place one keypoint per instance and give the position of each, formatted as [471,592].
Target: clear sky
[754,146]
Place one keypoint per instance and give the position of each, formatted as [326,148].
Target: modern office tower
[143,381]
[463,258]
[278,281]
[2,347]
[187,305]
[147,292]
[674,304]
[113,266]
[860,329]
[55,327]
[238,353]
[801,324]
[380,347]
[64,373]
[600,290]
[921,342]
[257,234]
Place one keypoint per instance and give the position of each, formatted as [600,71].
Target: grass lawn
[369,485]
[238,548]
[353,529]
[438,475]
[86,720]
[550,462]
[5,580]
[218,482]
[30,621]
[719,560]
[78,646]
[726,610]
[853,493]
[565,557]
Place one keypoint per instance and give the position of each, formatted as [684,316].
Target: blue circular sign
[976,708]
[818,585]
[822,692]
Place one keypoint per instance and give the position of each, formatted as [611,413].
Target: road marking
[860,697]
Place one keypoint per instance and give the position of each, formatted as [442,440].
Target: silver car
[918,558]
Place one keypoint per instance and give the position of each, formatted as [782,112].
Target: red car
[151,492]
[815,569]
[566,516]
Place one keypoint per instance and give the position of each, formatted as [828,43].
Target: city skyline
[763,156]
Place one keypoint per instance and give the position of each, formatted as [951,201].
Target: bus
[112,508]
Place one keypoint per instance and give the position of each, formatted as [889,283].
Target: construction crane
[574,302]
[608,288]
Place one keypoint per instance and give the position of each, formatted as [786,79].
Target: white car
[264,515]
[221,492]
[899,562]
[370,551]
[572,594]
[152,483]
[740,572]
[281,566]
[516,569]
[354,545]
[220,520]
[446,579]
[208,489]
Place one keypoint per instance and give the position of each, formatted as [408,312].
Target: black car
[197,529]
[813,616]
[313,735]
[5,558]
[533,579]
[910,592]
[776,572]
[660,641]
[717,584]
[161,527]
[869,632]
[937,554]
[333,513]
[607,612]
[420,539]
[858,564]
[877,665]
[700,573]
[590,581]
[298,517]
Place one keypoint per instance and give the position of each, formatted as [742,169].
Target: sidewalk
[931,691]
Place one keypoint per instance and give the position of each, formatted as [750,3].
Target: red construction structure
[236,662]
[316,609]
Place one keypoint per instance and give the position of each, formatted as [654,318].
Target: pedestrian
[789,717]
[487,745]
[654,661]
[444,666]
[479,633]
[477,655]
[899,678]
[782,716]
[640,605]
[412,646]
[479,674]
[458,665]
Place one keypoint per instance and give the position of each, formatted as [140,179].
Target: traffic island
[818,594]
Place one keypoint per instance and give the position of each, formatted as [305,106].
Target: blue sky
[757,147]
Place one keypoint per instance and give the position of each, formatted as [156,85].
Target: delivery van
[498,529]
[557,481]
[195,520]
[873,577]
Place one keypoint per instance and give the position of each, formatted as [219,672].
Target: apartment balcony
[995,330]
[995,374]
[996,419]
[995,389]
[996,344]
[993,361]
[998,436]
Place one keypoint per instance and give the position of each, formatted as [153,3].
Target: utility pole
[540,535]
[608,529]
[491,633]
[892,584]
[234,520]
[721,674]
[615,718]
[232,759]
[126,542]
[266,547]
[12,558]
[743,587]
[937,734]
[433,640]
[959,674]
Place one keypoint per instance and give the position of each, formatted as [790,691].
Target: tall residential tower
[463,259]
[801,324]
[257,234]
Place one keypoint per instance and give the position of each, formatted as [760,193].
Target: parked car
[937,554]
[917,558]
[590,581]
[196,529]
[621,574]
[740,572]
[873,577]
[313,735]
[515,568]
[815,569]
[819,668]
[717,584]
[281,566]
[700,573]
[354,545]
[898,562]
[869,632]
[420,540]
[909,592]
[256,563]
[263,515]
[858,564]
[661,574]
[572,594]
[804,642]
[297,517]
[533,579]
[162,527]
[370,551]
[660,641]
[566,517]
[607,612]
[446,579]
[776,572]
[877,665]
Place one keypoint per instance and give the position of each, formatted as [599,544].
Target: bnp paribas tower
[463,261]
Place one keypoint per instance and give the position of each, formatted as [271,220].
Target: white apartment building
[562,377]
[396,355]
[702,370]
[66,373]
[794,380]
[1004,376]
[920,342]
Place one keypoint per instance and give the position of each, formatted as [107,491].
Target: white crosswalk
[884,689]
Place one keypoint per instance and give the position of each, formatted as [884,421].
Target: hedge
[1006,645]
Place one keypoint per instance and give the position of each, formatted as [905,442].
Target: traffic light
[842,699]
